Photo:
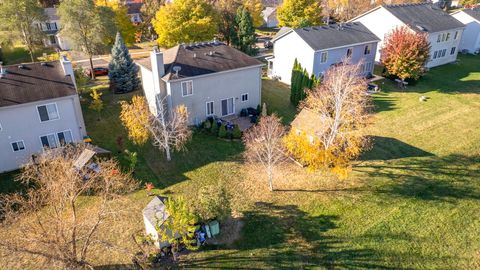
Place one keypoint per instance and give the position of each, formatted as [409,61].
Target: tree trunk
[167,151]
[91,67]
[270,178]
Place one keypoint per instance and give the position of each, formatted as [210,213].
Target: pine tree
[245,40]
[122,70]
[294,83]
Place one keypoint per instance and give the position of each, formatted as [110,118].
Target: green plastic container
[214,227]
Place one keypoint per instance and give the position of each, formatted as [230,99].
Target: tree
[300,81]
[255,8]
[342,108]
[185,21]
[49,3]
[122,21]
[97,103]
[211,202]
[122,71]
[179,227]
[226,10]
[149,9]
[19,21]
[168,130]
[469,3]
[50,221]
[263,143]
[405,53]
[245,33]
[299,13]
[87,26]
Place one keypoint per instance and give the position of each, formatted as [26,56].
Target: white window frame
[241,97]
[369,48]
[455,36]
[233,106]
[351,52]
[213,108]
[439,38]
[186,82]
[19,150]
[58,139]
[447,36]
[56,108]
[55,137]
[321,57]
[368,67]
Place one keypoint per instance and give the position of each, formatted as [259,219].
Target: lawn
[18,54]
[411,202]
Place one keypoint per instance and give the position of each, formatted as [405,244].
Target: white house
[444,31]
[471,36]
[52,29]
[39,107]
[269,15]
[317,48]
[209,78]
[134,11]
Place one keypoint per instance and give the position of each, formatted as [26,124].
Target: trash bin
[214,227]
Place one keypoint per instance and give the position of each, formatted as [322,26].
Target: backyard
[411,202]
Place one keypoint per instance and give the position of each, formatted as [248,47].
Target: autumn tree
[225,10]
[168,130]
[50,221]
[122,21]
[299,13]
[469,3]
[185,21]
[19,21]
[255,9]
[404,53]
[149,9]
[263,143]
[341,109]
[97,102]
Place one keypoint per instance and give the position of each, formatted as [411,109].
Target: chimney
[67,68]
[156,58]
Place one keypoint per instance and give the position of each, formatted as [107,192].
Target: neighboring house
[134,11]
[52,29]
[269,15]
[471,36]
[319,47]
[444,31]
[39,107]
[210,79]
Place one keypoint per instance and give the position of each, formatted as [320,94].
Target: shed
[155,214]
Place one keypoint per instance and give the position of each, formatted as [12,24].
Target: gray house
[319,47]
[210,79]
[39,107]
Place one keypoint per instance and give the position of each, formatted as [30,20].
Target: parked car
[267,44]
[98,71]
[372,88]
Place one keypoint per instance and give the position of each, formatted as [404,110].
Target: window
[48,141]
[439,38]
[443,37]
[448,37]
[456,35]
[48,112]
[323,57]
[444,51]
[244,97]
[228,106]
[435,55]
[349,52]
[452,51]
[368,67]
[210,110]
[18,146]
[52,39]
[187,88]
[368,50]
[270,65]
[65,137]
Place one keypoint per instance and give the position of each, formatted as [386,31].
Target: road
[103,60]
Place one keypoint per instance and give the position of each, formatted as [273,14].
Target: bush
[213,203]
[214,128]
[236,132]
[222,132]
[207,125]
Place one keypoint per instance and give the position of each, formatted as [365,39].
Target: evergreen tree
[299,82]
[122,69]
[245,37]
[294,81]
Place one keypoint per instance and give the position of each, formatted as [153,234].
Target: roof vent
[43,64]
[177,69]
[21,66]
[194,55]
[3,71]
[211,53]
[215,41]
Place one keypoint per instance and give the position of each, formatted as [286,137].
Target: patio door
[228,106]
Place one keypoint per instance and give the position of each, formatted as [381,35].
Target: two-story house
[51,28]
[39,107]
[209,78]
[471,36]
[319,47]
[444,31]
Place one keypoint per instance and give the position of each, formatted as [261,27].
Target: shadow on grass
[449,179]
[383,102]
[285,237]
[385,148]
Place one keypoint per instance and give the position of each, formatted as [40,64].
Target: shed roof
[155,211]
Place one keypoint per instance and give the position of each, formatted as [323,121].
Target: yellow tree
[299,13]
[135,117]
[185,21]
[255,8]
[122,20]
[341,109]
[97,103]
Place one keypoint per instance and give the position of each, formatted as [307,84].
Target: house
[134,11]
[154,215]
[269,15]
[39,107]
[319,47]
[209,78]
[444,31]
[51,28]
[470,41]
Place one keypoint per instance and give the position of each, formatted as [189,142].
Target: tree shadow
[448,179]
[385,148]
[383,102]
[285,237]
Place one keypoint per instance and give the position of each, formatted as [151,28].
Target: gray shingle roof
[195,60]
[34,82]
[335,35]
[424,17]
[474,13]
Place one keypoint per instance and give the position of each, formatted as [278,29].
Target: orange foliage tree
[405,53]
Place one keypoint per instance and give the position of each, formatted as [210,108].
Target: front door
[227,107]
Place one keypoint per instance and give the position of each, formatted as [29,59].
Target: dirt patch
[229,232]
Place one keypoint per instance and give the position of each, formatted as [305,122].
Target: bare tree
[264,145]
[48,222]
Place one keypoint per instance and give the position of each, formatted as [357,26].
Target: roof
[334,35]
[134,8]
[268,11]
[155,211]
[201,59]
[309,122]
[474,13]
[51,14]
[34,82]
[424,17]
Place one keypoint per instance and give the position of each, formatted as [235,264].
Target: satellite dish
[177,69]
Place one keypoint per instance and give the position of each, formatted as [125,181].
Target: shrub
[213,203]
[222,132]
[207,125]
[236,132]
[214,128]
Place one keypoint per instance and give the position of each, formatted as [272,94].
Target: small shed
[155,214]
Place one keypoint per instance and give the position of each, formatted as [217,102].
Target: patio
[243,123]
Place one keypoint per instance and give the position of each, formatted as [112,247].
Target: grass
[18,54]
[411,202]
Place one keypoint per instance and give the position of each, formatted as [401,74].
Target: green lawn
[411,202]
[19,54]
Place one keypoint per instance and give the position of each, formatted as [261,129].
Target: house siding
[471,36]
[22,122]
[444,45]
